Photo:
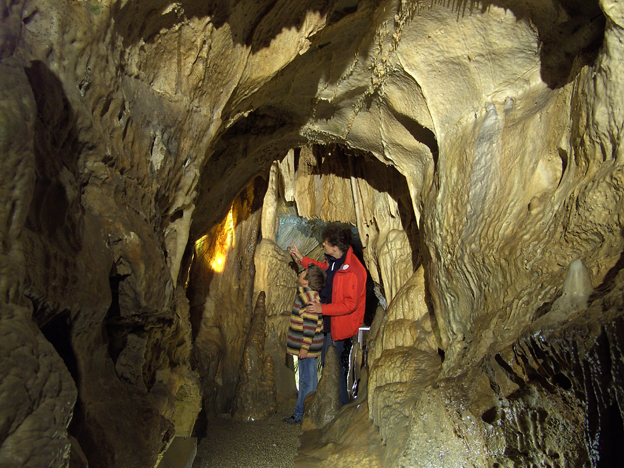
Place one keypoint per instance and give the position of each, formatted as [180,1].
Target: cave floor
[233,444]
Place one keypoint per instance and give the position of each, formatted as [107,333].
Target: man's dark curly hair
[340,237]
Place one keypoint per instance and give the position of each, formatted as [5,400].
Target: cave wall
[38,393]
[128,130]
[220,292]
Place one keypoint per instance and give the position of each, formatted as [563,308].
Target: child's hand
[303,353]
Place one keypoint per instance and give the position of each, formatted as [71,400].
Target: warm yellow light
[227,239]
[218,263]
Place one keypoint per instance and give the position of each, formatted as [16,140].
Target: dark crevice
[562,381]
[511,375]
[116,341]
[58,332]
[610,438]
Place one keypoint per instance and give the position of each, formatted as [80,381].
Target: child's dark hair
[340,237]
[316,277]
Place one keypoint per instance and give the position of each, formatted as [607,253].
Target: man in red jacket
[344,296]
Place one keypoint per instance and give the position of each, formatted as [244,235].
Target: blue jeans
[308,381]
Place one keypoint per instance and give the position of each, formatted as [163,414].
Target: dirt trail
[258,444]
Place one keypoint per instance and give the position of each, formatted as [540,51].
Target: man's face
[329,248]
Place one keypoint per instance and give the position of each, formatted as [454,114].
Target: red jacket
[348,296]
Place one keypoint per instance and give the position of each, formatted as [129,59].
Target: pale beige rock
[396,379]
[395,261]
[176,237]
[358,192]
[188,404]
[576,290]
[446,425]
[182,383]
[349,440]
[277,280]
[407,322]
[387,248]
[269,223]
[330,195]
[255,397]
[288,177]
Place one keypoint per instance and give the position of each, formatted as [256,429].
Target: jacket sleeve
[307,260]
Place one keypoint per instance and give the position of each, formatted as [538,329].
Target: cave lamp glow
[226,239]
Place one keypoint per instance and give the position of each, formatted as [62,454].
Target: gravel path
[258,444]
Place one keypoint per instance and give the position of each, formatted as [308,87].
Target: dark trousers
[344,395]
[327,340]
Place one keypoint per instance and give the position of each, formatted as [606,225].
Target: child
[305,336]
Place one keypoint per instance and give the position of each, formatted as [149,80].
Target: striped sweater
[306,330]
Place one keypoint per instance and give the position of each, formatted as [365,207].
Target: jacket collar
[343,262]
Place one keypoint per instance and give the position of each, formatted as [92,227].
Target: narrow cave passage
[124,124]
[242,265]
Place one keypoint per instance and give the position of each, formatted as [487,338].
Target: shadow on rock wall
[120,363]
[252,23]
[566,46]
[55,217]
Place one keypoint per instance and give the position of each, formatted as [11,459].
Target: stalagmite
[255,393]
[323,406]
[577,288]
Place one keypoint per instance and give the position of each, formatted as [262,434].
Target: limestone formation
[150,150]
[577,288]
[37,392]
[220,291]
[330,183]
[255,396]
[403,354]
[274,274]
[322,406]
[351,439]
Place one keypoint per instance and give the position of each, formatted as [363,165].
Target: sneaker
[291,420]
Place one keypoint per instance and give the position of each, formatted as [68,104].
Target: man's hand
[294,251]
[303,353]
[314,308]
